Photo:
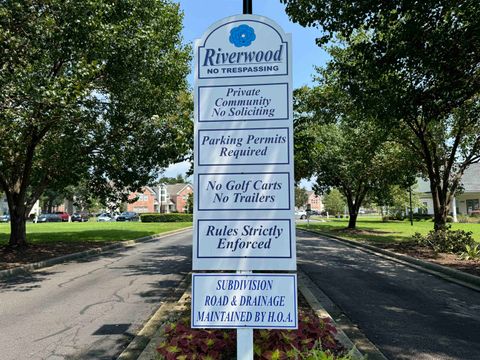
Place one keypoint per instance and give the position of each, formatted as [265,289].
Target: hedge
[172,217]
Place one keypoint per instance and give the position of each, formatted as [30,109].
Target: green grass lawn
[373,229]
[98,232]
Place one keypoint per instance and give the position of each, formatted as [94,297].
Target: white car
[300,214]
[105,217]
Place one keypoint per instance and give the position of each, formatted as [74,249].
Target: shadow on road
[407,313]
[25,282]
[174,262]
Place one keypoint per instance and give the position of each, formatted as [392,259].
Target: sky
[200,14]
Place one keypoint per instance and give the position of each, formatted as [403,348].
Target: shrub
[471,253]
[447,240]
[464,219]
[172,217]
[449,219]
[385,218]
[419,217]
[398,216]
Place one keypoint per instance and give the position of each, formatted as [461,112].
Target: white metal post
[244,344]
[244,338]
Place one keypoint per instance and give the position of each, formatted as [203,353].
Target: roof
[311,194]
[470,180]
[176,188]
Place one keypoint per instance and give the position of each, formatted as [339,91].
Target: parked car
[300,214]
[80,217]
[105,217]
[128,216]
[314,213]
[4,218]
[63,215]
[44,218]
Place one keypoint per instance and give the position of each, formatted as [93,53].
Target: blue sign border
[257,119]
[243,76]
[246,163]
[241,209]
[295,300]
[245,257]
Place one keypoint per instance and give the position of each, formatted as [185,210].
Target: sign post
[244,196]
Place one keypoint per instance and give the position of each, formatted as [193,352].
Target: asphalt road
[406,313]
[90,308]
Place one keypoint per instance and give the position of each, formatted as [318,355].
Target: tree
[397,200]
[88,90]
[301,197]
[334,202]
[413,66]
[190,204]
[345,150]
[179,179]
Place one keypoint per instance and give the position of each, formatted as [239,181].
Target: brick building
[146,201]
[315,201]
[161,199]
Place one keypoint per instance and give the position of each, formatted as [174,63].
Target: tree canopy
[88,90]
[346,150]
[414,67]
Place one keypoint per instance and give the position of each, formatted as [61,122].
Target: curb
[24,269]
[347,333]
[452,275]
[144,345]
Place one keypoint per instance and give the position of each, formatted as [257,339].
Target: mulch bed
[10,258]
[424,253]
[419,252]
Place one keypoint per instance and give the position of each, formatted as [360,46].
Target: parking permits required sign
[244,186]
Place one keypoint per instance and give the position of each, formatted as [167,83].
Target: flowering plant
[242,35]
[313,336]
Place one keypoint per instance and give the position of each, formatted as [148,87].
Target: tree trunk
[352,221]
[18,231]
[441,213]
[353,207]
[441,204]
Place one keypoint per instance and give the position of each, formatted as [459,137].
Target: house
[465,201]
[146,201]
[315,201]
[164,198]
[179,194]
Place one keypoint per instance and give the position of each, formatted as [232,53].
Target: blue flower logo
[242,35]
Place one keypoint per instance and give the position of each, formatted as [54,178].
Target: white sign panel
[249,238]
[249,146]
[243,47]
[243,102]
[244,301]
[244,191]
[243,181]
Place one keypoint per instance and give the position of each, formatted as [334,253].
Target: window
[472,204]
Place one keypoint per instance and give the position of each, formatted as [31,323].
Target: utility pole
[247,6]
